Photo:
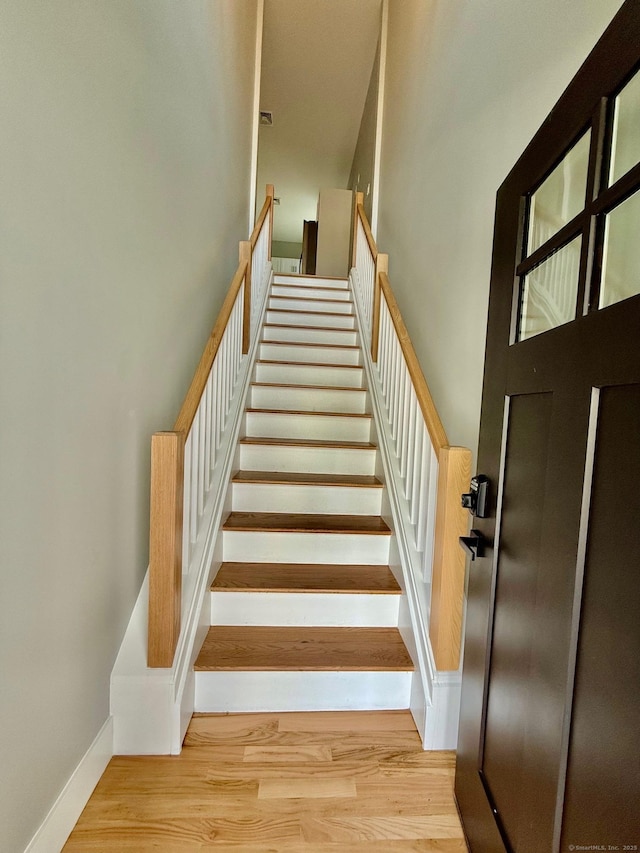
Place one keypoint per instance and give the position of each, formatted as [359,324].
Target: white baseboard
[63,816]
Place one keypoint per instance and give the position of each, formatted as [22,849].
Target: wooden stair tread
[312,298]
[312,287]
[307,412]
[308,442]
[310,364]
[299,479]
[305,577]
[309,344]
[293,522]
[315,313]
[310,649]
[306,387]
[315,328]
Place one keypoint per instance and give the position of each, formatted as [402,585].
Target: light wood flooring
[263,783]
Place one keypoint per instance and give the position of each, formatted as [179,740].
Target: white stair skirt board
[63,815]
[302,334]
[317,609]
[308,292]
[290,497]
[305,398]
[311,281]
[306,303]
[272,424]
[307,459]
[309,353]
[311,318]
[310,374]
[259,546]
[250,691]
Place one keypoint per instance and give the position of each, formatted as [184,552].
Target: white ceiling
[317,57]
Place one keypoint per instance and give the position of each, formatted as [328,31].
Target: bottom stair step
[295,649]
[251,669]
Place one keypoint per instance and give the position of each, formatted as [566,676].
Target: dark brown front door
[549,756]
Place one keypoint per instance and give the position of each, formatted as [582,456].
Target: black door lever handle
[473,543]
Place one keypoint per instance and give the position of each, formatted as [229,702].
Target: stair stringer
[435,696]
[151,708]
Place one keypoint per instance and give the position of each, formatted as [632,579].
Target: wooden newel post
[270,194]
[165,547]
[382,265]
[358,200]
[245,255]
[449,562]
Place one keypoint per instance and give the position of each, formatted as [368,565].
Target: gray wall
[282,249]
[467,86]
[124,184]
[361,177]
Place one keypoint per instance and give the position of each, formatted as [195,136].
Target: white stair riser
[256,546]
[296,399]
[293,318]
[312,426]
[236,692]
[307,460]
[346,337]
[311,281]
[294,292]
[284,497]
[324,610]
[298,353]
[284,303]
[310,374]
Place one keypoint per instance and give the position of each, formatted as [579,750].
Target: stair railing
[183,459]
[433,474]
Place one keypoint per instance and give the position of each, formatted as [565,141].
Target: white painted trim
[63,815]
[294,609]
[437,704]
[257,74]
[255,691]
[151,708]
[377,151]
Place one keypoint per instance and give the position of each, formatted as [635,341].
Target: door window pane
[625,147]
[550,292]
[560,197]
[621,258]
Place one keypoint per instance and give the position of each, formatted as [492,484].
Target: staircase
[304,608]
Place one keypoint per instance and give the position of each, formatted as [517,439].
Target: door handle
[473,543]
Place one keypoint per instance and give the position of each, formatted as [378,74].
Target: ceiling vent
[266,117]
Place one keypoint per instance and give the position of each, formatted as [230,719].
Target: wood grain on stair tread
[266,648]
[304,577]
[307,387]
[311,313]
[309,343]
[308,412]
[326,364]
[307,299]
[363,481]
[289,522]
[298,327]
[307,442]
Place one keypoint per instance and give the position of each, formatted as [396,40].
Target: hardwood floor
[329,782]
